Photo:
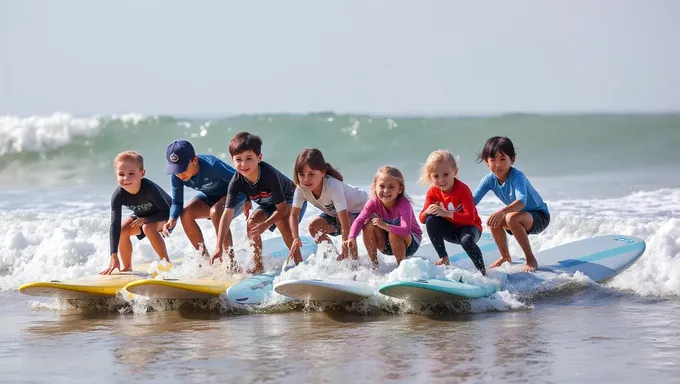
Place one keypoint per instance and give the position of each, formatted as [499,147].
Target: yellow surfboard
[92,287]
[184,288]
[89,287]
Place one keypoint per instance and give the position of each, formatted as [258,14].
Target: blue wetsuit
[212,182]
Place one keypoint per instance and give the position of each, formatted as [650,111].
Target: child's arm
[483,188]
[519,183]
[405,220]
[337,192]
[358,225]
[176,205]
[429,200]
[225,222]
[467,216]
[177,197]
[114,231]
[293,219]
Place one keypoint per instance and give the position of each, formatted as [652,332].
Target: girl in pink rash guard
[387,219]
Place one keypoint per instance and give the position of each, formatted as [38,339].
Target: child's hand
[350,245]
[139,222]
[432,210]
[258,229]
[378,222]
[113,265]
[216,255]
[297,244]
[496,219]
[168,226]
[247,206]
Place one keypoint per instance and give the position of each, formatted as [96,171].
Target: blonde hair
[132,156]
[433,160]
[393,172]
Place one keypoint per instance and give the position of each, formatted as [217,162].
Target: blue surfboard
[256,289]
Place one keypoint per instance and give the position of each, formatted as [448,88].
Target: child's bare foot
[341,257]
[233,267]
[443,261]
[500,261]
[530,266]
[256,270]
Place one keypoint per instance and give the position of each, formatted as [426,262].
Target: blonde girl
[387,220]
[449,213]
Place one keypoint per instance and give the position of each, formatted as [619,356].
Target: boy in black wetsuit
[150,205]
[264,185]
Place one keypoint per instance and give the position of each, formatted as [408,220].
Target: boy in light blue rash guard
[210,176]
[524,213]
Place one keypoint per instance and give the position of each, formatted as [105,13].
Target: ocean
[599,174]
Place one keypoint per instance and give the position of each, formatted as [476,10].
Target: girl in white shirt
[322,185]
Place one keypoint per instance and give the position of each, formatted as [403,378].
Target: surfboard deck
[89,287]
[600,258]
[339,290]
[255,289]
[185,289]
[435,290]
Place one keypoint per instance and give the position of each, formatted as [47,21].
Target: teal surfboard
[435,290]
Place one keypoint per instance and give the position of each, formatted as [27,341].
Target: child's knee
[149,228]
[512,218]
[432,223]
[395,239]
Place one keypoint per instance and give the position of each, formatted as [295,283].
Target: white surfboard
[600,258]
[324,289]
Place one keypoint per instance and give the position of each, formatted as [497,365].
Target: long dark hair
[315,160]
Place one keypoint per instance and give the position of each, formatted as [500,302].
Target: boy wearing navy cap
[210,176]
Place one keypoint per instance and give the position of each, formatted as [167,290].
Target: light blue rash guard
[516,187]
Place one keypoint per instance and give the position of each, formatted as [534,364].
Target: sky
[352,56]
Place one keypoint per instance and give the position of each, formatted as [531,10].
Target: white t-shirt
[335,196]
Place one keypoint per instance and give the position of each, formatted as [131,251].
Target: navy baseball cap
[179,154]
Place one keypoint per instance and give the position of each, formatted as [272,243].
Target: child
[449,212]
[265,185]
[322,185]
[206,174]
[150,206]
[524,212]
[395,230]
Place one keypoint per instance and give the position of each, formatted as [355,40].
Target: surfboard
[457,254]
[189,288]
[600,258]
[255,289]
[173,288]
[324,289]
[89,287]
[435,290]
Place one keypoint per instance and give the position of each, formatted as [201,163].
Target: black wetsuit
[151,202]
